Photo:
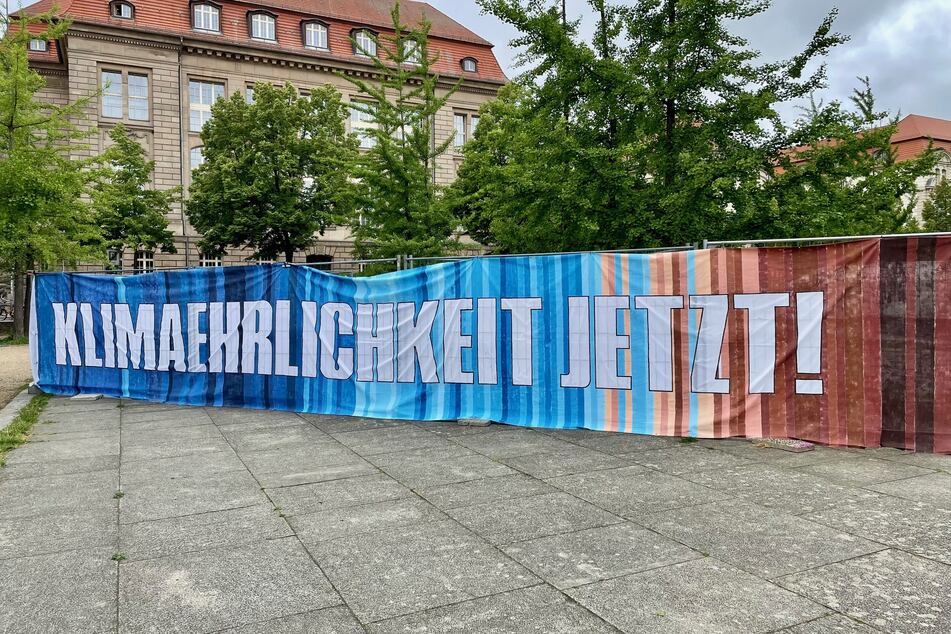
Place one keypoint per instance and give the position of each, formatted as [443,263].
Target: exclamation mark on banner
[809,308]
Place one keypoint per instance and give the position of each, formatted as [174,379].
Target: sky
[904,46]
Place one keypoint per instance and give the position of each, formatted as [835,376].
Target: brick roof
[449,39]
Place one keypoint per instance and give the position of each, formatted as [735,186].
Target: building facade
[157,66]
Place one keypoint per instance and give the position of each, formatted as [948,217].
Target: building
[162,63]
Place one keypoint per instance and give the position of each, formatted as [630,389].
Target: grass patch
[14,341]
[16,433]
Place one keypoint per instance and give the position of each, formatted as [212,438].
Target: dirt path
[14,371]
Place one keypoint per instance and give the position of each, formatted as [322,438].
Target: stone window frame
[191,157]
[258,13]
[121,3]
[125,71]
[204,3]
[38,45]
[303,34]
[475,65]
[470,120]
[374,37]
[357,124]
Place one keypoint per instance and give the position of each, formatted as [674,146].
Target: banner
[846,344]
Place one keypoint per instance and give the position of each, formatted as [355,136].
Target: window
[470,65]
[262,26]
[362,122]
[125,95]
[143,262]
[38,45]
[122,10]
[206,17]
[459,125]
[464,127]
[249,94]
[138,97]
[201,96]
[315,35]
[206,260]
[412,51]
[197,157]
[364,43]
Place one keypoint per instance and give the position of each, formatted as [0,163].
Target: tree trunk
[288,254]
[19,304]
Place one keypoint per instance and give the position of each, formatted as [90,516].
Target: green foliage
[17,432]
[663,130]
[399,210]
[130,213]
[276,171]
[43,219]
[936,213]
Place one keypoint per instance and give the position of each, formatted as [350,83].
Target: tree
[844,181]
[936,213]
[43,218]
[276,171]
[399,210]
[129,212]
[671,119]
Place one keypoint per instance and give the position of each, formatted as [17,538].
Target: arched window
[364,43]
[262,25]
[315,35]
[197,157]
[39,46]
[206,17]
[470,65]
[121,10]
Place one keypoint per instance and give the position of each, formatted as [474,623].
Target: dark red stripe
[892,303]
[925,346]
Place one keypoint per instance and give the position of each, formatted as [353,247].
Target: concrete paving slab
[890,590]
[434,466]
[702,595]
[42,450]
[343,424]
[144,418]
[63,592]
[760,541]
[391,515]
[337,620]
[71,466]
[450,428]
[149,444]
[512,442]
[632,492]
[301,464]
[251,419]
[214,589]
[768,455]
[789,490]
[595,554]
[389,574]
[686,459]
[274,438]
[369,442]
[940,462]
[58,532]
[916,527]
[612,443]
[59,495]
[203,531]
[205,465]
[568,462]
[934,488]
[485,490]
[165,497]
[835,624]
[859,470]
[520,519]
[538,609]
[320,496]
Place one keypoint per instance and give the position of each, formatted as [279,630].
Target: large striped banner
[846,344]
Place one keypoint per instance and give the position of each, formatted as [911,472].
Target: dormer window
[470,65]
[121,10]
[39,46]
[263,25]
[364,43]
[206,17]
[315,35]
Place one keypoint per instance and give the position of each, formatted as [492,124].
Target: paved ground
[14,371]
[273,522]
